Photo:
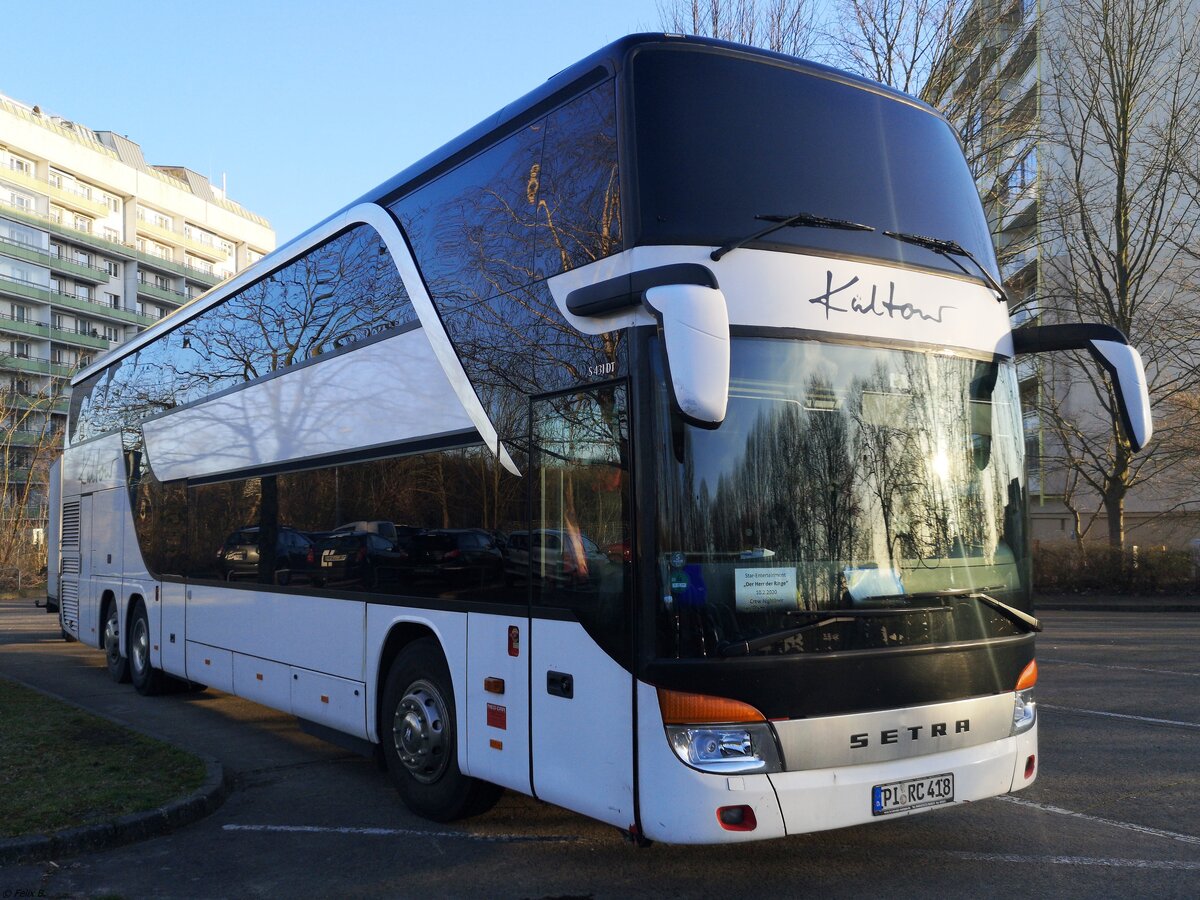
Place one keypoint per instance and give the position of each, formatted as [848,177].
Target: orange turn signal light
[679,708]
[1028,677]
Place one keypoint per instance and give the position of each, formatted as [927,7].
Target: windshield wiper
[745,648]
[950,250]
[799,220]
[1011,612]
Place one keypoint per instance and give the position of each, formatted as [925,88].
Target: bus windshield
[853,498]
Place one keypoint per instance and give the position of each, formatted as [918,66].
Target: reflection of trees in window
[337,295]
[541,202]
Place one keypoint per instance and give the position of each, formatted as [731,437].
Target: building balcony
[76,201]
[175,239]
[92,339]
[23,179]
[210,252]
[25,289]
[38,365]
[69,198]
[121,251]
[96,308]
[1014,264]
[52,438]
[57,404]
[163,294]
[76,269]
[23,327]
[27,252]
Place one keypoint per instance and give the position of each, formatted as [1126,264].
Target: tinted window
[579,200]
[443,506]
[722,139]
[337,295]
[581,500]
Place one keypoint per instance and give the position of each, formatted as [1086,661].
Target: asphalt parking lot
[1115,812]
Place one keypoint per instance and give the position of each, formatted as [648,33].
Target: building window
[110,333]
[19,313]
[56,285]
[113,203]
[111,234]
[20,164]
[113,267]
[19,349]
[113,300]
[20,201]
[84,224]
[83,292]
[84,259]
[161,282]
[1023,174]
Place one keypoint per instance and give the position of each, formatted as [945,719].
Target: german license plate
[915,793]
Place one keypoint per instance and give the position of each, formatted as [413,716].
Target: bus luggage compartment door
[497,715]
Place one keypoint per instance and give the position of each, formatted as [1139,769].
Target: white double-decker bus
[654,449]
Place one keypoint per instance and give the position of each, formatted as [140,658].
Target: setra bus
[653,449]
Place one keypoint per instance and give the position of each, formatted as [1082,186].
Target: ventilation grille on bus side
[70,524]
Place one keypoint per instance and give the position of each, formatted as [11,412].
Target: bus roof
[559,88]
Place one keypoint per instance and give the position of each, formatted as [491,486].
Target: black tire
[419,735]
[146,679]
[118,665]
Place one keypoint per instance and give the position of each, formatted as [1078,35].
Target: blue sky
[304,105]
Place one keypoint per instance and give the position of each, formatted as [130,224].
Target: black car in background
[356,558]
[457,557]
[239,557]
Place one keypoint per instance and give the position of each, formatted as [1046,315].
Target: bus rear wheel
[146,679]
[118,665]
[420,738]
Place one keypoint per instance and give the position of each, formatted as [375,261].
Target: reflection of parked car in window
[239,557]
[386,530]
[355,556]
[561,557]
[457,555]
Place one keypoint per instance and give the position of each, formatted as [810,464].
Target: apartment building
[996,84]
[95,245]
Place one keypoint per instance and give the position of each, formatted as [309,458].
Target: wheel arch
[399,636]
[130,605]
[106,600]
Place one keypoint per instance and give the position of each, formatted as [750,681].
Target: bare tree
[785,26]
[897,42]
[1123,108]
[29,442]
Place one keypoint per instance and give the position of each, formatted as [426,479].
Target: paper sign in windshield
[762,589]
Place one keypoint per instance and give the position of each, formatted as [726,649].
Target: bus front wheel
[146,679]
[420,738]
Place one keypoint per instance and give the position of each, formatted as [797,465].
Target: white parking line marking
[1075,860]
[1113,715]
[1128,826]
[405,832]
[1071,662]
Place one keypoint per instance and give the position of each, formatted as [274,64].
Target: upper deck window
[722,138]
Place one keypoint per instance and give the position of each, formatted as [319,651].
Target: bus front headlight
[1024,712]
[726,749]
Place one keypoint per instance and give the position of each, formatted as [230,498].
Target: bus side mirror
[695,324]
[1111,349]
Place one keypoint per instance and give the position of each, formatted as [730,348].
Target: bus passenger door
[581,686]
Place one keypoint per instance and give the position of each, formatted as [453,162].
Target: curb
[127,829]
